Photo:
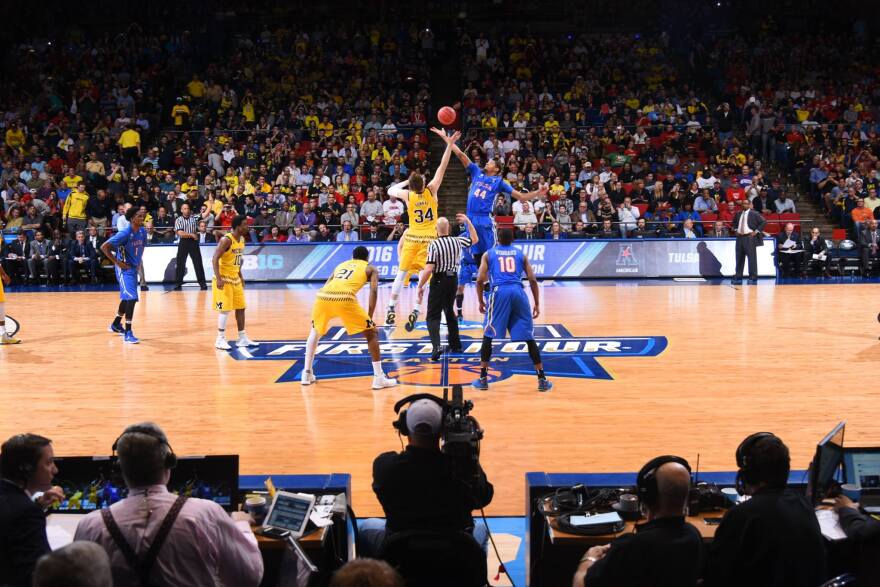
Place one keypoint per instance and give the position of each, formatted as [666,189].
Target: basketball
[446,115]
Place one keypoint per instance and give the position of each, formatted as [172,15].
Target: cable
[503,567]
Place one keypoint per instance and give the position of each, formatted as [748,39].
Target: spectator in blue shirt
[347,234]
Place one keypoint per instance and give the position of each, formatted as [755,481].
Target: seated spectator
[285,218]
[523,213]
[719,230]
[38,259]
[789,251]
[641,230]
[274,235]
[79,564]
[82,258]
[527,232]
[627,215]
[347,234]
[372,233]
[204,235]
[392,210]
[687,229]
[350,215]
[203,546]
[579,230]
[324,234]
[298,235]
[705,203]
[371,208]
[665,550]
[869,245]
[27,466]
[860,216]
[584,214]
[366,572]
[163,225]
[607,230]
[555,233]
[396,232]
[815,252]
[502,207]
[872,202]
[784,204]
[774,537]
[417,489]
[306,219]
[686,213]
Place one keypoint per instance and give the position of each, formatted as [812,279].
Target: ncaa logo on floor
[407,355]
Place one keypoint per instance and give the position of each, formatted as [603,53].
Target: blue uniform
[129,247]
[468,269]
[483,192]
[508,308]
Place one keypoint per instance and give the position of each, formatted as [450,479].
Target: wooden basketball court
[791,359]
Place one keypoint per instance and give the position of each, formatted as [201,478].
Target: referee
[186,228]
[444,255]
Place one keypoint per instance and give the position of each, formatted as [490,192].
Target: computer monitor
[861,466]
[826,463]
[91,483]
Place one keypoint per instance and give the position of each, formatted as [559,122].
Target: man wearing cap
[417,488]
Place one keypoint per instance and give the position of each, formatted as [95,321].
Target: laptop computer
[861,466]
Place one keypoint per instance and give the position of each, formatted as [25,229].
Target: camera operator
[419,488]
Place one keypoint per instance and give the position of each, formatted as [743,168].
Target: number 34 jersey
[422,214]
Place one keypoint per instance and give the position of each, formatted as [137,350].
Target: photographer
[419,489]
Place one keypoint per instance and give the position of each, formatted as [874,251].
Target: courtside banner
[550,259]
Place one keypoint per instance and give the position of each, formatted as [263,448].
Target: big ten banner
[550,259]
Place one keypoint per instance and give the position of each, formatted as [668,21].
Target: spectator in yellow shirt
[326,127]
[180,115]
[551,124]
[71,179]
[130,145]
[74,213]
[196,87]
[15,137]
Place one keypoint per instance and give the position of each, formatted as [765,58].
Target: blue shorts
[485,226]
[128,283]
[509,310]
[466,273]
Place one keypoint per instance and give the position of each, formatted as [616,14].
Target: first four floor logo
[407,355]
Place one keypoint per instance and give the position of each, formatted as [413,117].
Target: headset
[744,459]
[170,457]
[400,423]
[646,480]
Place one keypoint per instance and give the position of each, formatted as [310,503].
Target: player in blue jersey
[466,273]
[486,184]
[129,246]
[508,307]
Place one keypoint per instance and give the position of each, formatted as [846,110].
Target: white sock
[377,369]
[221,324]
[417,308]
[2,318]
[311,346]
[241,334]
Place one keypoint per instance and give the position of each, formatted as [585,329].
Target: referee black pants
[441,298]
[189,247]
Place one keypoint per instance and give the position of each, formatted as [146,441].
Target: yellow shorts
[2,293]
[413,256]
[230,298]
[354,317]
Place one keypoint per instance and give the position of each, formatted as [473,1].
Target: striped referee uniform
[444,254]
[188,246]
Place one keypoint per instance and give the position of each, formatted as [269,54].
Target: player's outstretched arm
[222,247]
[472,231]
[435,182]
[482,278]
[533,285]
[528,195]
[374,289]
[462,156]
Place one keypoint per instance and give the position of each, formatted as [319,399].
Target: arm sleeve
[505,188]
[30,544]
[602,572]
[240,561]
[858,526]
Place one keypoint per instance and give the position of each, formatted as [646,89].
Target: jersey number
[422,216]
[507,264]
[478,193]
[344,273]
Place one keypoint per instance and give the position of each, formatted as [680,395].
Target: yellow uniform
[2,295]
[337,299]
[231,297]
[422,231]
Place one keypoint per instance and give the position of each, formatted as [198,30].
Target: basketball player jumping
[337,300]
[422,204]
[227,287]
[503,266]
[5,338]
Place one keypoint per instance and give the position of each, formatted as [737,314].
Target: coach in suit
[789,253]
[816,245]
[869,243]
[27,463]
[15,256]
[749,228]
[82,255]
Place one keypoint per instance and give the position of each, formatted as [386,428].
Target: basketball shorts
[413,255]
[466,273]
[485,226]
[2,293]
[128,283]
[228,299]
[508,310]
[353,316]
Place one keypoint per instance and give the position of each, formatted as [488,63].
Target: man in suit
[38,258]
[15,257]
[816,245]
[869,243]
[57,263]
[748,226]
[789,251]
[527,233]
[82,256]
[28,465]
[204,235]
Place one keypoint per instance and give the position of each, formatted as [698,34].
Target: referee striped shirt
[189,225]
[445,252]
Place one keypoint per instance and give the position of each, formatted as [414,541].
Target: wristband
[590,559]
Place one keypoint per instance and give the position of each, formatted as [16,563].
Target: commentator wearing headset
[155,537]
[665,550]
[27,466]
[774,537]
